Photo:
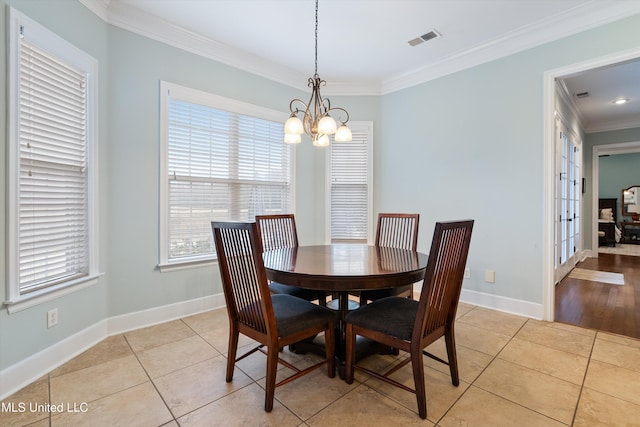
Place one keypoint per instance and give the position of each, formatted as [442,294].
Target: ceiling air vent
[582,95]
[424,38]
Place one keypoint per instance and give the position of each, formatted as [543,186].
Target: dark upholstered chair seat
[306,294]
[377,294]
[391,316]
[294,314]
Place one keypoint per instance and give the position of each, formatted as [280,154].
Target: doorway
[549,207]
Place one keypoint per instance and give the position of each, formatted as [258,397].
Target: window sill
[23,302]
[184,265]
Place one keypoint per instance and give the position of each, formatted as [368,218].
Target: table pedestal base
[364,347]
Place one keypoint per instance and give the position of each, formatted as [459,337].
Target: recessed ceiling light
[621,101]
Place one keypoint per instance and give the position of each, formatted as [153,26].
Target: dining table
[342,269]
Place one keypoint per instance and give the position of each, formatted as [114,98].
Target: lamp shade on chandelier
[316,120]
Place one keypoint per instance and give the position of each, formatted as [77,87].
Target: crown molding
[563,93]
[612,125]
[591,14]
[132,19]
[99,7]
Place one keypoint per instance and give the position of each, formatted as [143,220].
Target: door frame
[548,118]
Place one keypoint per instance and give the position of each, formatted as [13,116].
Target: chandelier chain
[316,72]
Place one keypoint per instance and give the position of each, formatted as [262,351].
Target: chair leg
[450,341]
[350,353]
[231,355]
[322,301]
[330,351]
[272,369]
[418,379]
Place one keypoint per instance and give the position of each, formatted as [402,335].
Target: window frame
[171,90]
[356,127]
[64,51]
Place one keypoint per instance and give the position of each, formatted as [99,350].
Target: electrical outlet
[490,276]
[467,273]
[52,318]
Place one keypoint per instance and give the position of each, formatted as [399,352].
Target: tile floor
[514,371]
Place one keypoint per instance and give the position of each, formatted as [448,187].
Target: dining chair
[273,321]
[410,325]
[394,230]
[279,231]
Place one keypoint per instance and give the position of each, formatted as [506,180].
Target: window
[350,186]
[51,238]
[221,160]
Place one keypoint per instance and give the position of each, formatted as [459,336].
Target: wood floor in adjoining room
[602,306]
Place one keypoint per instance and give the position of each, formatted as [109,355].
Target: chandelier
[316,119]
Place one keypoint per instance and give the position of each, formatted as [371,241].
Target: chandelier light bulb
[292,138]
[322,140]
[293,125]
[343,134]
[327,125]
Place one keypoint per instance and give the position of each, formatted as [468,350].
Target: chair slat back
[443,277]
[397,231]
[277,231]
[244,279]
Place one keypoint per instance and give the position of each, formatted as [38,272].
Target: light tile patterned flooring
[514,371]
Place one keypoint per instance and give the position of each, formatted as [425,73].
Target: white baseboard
[26,371]
[508,305]
[153,316]
[496,302]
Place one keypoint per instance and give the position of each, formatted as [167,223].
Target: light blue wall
[465,145]
[457,148]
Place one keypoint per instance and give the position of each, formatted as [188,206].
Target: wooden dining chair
[274,321]
[279,231]
[410,325]
[394,230]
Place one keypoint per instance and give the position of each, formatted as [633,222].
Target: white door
[567,201]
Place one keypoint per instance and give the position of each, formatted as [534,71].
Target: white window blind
[221,165]
[350,188]
[53,200]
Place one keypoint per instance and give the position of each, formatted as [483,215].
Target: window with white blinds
[350,186]
[50,160]
[225,160]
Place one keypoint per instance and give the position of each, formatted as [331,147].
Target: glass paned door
[568,193]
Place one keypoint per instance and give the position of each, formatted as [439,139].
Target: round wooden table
[342,268]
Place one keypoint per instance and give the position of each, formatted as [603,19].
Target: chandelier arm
[344,122]
[297,110]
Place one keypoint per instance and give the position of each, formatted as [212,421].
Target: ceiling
[602,86]
[363,45]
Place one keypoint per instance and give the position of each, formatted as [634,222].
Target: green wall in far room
[601,140]
[618,171]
